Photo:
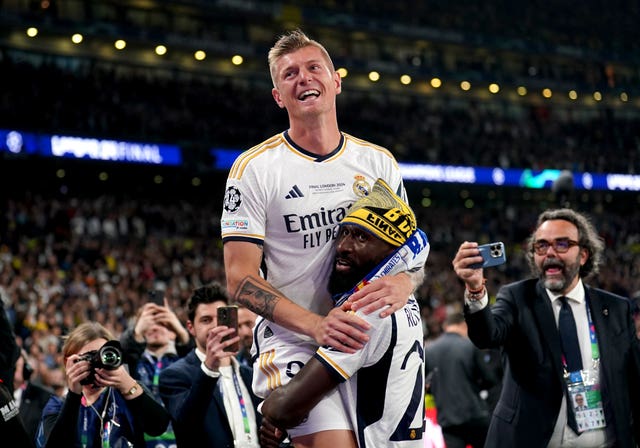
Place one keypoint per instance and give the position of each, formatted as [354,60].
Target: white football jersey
[384,394]
[291,201]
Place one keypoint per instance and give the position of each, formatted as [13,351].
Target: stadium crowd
[64,261]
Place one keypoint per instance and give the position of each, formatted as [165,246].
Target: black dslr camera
[109,357]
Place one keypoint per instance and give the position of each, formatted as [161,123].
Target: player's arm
[289,405]
[345,332]
[392,290]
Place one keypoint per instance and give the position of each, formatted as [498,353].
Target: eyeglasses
[560,245]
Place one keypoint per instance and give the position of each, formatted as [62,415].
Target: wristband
[476,291]
[475,295]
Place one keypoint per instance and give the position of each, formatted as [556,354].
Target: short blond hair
[290,42]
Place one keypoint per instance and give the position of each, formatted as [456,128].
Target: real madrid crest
[232,199]
[361,187]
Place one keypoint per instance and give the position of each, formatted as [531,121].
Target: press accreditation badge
[586,400]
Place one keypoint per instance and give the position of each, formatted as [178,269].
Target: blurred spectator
[460,373]
[29,396]
[491,393]
[56,380]
[636,313]
[12,428]
[156,341]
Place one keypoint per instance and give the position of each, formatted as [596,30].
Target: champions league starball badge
[232,199]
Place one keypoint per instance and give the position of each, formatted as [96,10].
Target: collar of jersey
[313,156]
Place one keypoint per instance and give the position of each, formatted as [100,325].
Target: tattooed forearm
[254,295]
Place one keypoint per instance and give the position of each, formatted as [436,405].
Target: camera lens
[110,357]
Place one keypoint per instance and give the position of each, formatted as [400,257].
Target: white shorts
[279,354]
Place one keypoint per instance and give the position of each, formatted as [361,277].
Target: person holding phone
[560,337]
[155,341]
[207,392]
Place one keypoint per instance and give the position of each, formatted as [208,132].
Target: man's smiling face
[306,82]
[559,271]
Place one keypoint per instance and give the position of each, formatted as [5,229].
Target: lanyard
[168,436]
[105,426]
[157,368]
[595,351]
[243,408]
[156,374]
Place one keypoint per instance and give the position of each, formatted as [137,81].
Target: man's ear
[584,256]
[190,329]
[338,82]
[276,96]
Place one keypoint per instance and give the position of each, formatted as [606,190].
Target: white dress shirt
[563,436]
[242,438]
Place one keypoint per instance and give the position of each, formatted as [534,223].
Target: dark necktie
[571,351]
[569,337]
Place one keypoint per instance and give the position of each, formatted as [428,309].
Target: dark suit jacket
[34,399]
[196,404]
[460,373]
[522,322]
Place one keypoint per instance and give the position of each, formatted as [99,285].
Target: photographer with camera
[105,406]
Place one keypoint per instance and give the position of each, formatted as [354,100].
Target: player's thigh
[329,415]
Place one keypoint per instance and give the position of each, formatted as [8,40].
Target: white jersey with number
[384,394]
[291,201]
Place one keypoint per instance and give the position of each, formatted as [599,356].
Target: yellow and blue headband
[384,214]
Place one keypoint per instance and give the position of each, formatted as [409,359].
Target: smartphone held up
[493,254]
[228,315]
[156,296]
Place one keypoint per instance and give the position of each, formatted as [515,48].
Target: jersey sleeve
[244,208]
[344,365]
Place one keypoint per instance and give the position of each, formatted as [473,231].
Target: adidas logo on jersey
[268,332]
[294,193]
